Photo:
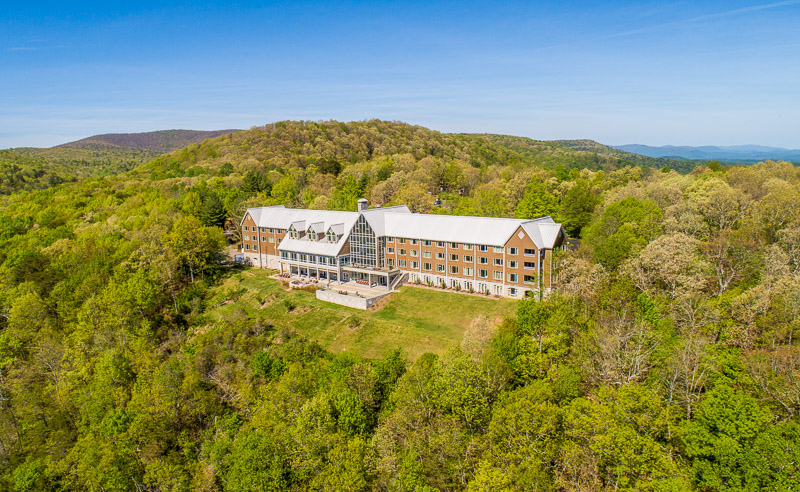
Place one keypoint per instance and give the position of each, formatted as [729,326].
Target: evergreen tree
[212,212]
[256,182]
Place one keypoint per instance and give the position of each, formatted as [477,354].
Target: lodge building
[389,245]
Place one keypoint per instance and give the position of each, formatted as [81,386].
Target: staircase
[398,281]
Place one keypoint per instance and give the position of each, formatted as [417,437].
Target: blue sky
[683,73]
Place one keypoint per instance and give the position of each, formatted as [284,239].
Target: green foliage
[132,357]
[537,202]
[256,182]
[730,438]
[624,228]
[212,212]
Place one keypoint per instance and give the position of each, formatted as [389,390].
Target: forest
[665,358]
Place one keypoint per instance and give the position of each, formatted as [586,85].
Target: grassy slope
[415,319]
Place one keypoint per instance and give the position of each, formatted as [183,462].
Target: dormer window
[293,232]
[311,235]
[331,237]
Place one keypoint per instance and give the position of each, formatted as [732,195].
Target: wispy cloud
[701,18]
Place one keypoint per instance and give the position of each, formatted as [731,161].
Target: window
[426,254]
[513,251]
[401,240]
[530,265]
[498,262]
[512,291]
[246,237]
[512,277]
[389,239]
[402,263]
[415,265]
[246,246]
[440,256]
[414,252]
[427,266]
[454,269]
[439,268]
[439,244]
[498,275]
[390,261]
[453,257]
[272,239]
[483,247]
[453,245]
[270,230]
[390,250]
[529,279]
[365,249]
[468,271]
[530,252]
[425,242]
[468,258]
[246,228]
[402,252]
[483,273]
[414,241]
[264,239]
[498,290]
[467,247]
[483,260]
[512,264]
[498,249]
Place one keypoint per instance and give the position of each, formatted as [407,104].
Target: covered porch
[381,278]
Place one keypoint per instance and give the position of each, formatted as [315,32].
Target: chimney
[362,204]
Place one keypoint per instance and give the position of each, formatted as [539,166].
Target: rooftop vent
[362,204]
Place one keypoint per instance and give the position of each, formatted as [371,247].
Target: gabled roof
[490,231]
[317,227]
[400,222]
[255,213]
[376,217]
[452,228]
[337,229]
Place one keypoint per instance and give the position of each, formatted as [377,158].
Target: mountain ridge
[732,153]
[161,141]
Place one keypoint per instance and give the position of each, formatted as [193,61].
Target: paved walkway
[351,287]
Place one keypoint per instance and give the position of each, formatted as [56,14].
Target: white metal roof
[376,217]
[312,247]
[318,227]
[400,222]
[490,231]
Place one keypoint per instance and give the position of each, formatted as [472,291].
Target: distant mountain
[734,153]
[29,168]
[679,164]
[161,142]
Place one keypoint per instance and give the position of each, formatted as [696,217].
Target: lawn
[416,319]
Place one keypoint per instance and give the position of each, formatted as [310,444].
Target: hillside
[160,142]
[330,165]
[679,165]
[28,168]
[132,356]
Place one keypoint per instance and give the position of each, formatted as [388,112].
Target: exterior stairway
[398,281]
